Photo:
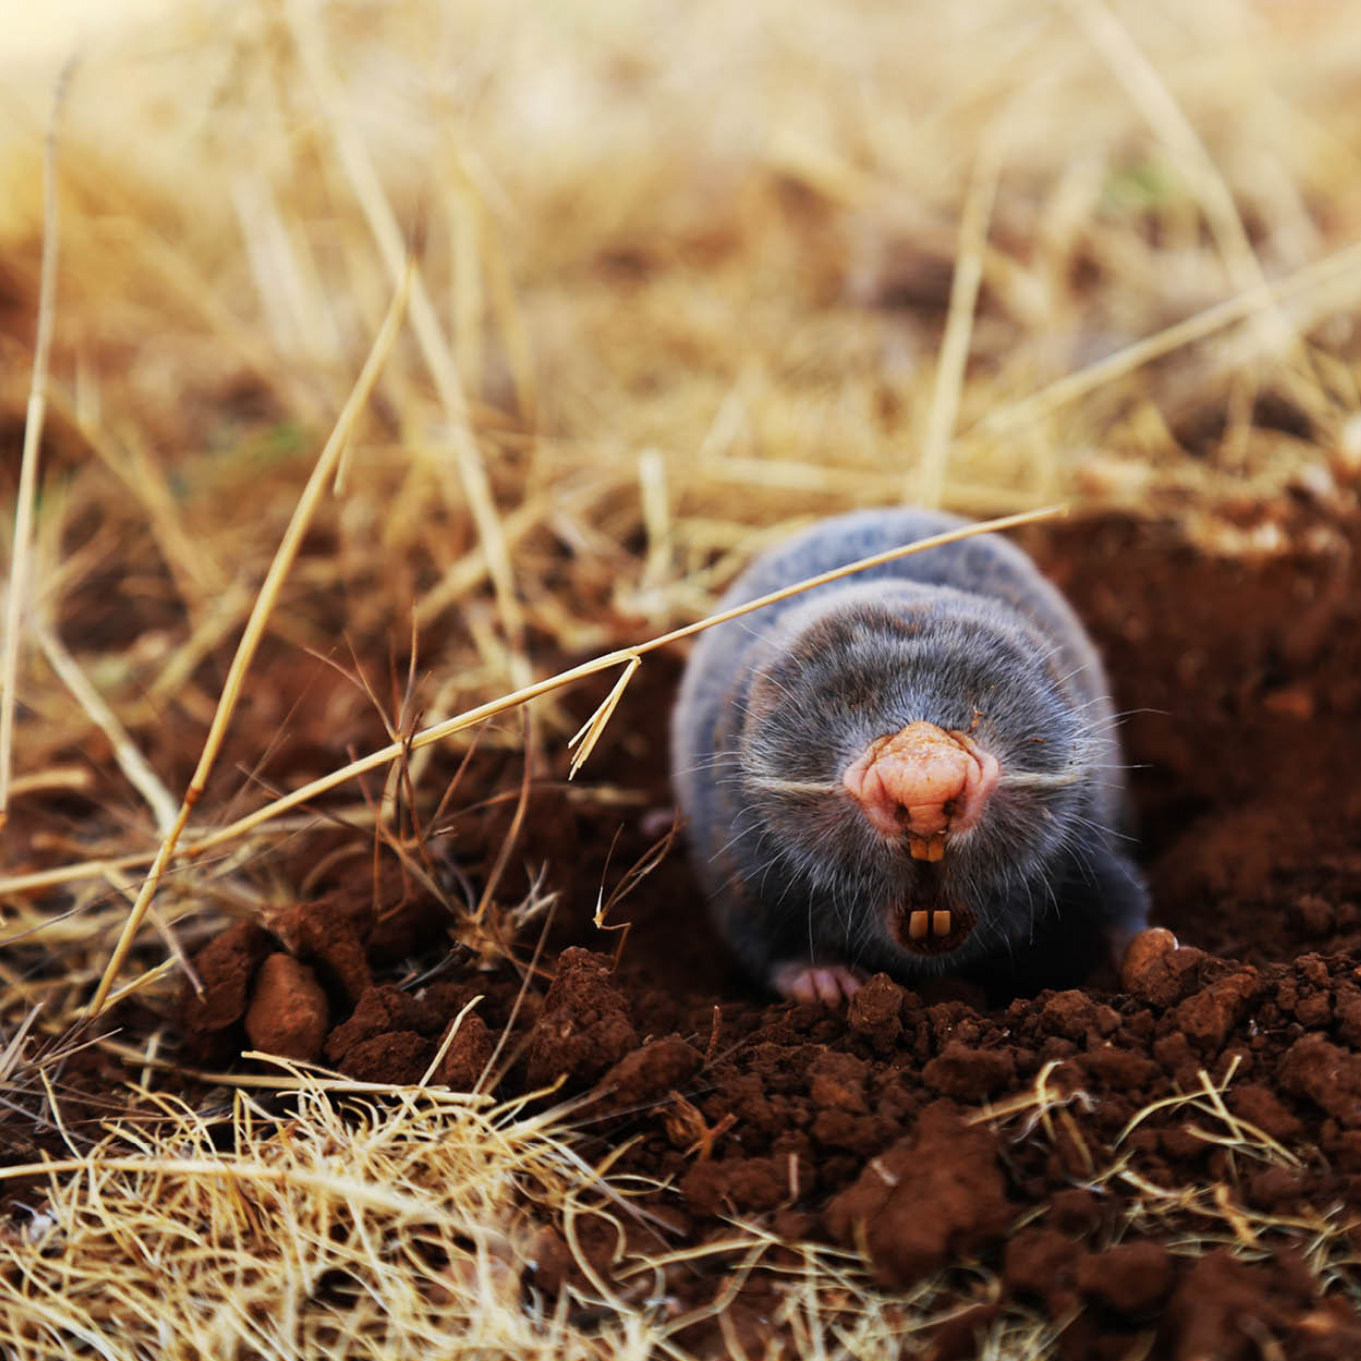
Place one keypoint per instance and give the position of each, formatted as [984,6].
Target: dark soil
[928,1128]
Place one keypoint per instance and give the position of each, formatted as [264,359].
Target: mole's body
[911,769]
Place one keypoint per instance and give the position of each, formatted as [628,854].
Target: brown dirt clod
[288,1012]
[1130,1277]
[930,1198]
[466,1059]
[331,934]
[584,1027]
[225,967]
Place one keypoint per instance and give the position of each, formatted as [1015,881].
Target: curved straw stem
[255,630]
[33,433]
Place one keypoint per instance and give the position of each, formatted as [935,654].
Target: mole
[912,770]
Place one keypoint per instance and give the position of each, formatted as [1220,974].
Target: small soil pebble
[933,1197]
[1130,1277]
[332,939]
[1208,1017]
[649,1073]
[584,1028]
[1157,970]
[469,1052]
[875,1012]
[225,967]
[399,1056]
[969,1074]
[288,1012]
[381,1009]
[1325,1074]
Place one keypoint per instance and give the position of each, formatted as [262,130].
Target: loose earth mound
[1170,1160]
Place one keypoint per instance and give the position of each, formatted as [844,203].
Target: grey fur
[776,704]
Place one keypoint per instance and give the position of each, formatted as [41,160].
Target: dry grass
[1191,1219]
[681,279]
[362,1220]
[353,1225]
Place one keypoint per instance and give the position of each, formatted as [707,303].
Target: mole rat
[910,770]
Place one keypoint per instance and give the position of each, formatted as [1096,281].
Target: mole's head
[917,767]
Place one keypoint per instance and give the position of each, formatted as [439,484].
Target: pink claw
[817,983]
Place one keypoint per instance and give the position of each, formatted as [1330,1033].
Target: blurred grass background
[692,271]
[687,275]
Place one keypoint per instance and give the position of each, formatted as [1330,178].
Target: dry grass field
[376,381]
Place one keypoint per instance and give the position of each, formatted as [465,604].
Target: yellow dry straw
[255,629]
[33,431]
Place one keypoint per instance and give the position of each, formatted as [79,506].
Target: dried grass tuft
[1191,1218]
[352,1219]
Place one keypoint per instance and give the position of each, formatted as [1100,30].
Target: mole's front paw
[829,983]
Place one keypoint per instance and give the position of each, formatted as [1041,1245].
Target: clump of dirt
[936,1195]
[1170,1161]
[226,967]
[584,1027]
[289,1013]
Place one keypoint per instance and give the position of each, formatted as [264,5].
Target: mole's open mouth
[933,931]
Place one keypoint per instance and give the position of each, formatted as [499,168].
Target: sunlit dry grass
[359,1220]
[684,277]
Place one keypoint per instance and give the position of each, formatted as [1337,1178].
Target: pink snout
[925,782]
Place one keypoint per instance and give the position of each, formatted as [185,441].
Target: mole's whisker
[807,788]
[1038,779]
